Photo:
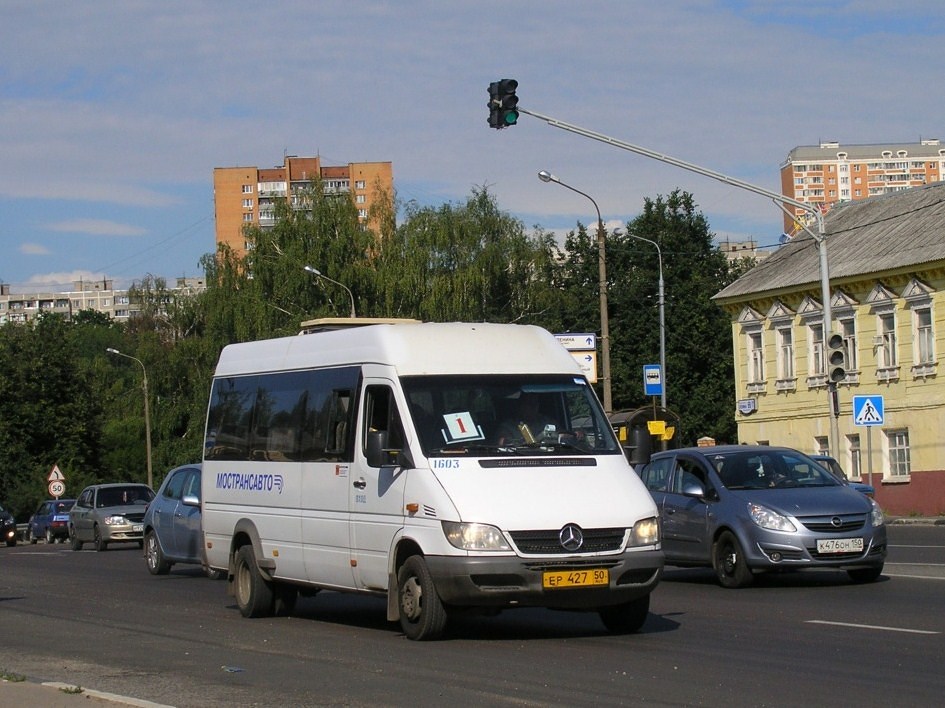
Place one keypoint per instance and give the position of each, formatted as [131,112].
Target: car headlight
[475,537]
[876,515]
[768,519]
[645,532]
[116,520]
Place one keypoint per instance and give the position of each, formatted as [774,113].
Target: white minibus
[447,467]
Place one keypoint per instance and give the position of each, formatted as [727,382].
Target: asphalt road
[100,621]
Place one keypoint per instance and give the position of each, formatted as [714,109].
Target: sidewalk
[17,694]
[917,520]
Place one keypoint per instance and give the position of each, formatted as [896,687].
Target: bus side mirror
[379,454]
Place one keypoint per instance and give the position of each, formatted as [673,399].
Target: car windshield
[508,414]
[770,469]
[123,496]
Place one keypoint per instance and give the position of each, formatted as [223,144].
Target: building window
[886,353]
[247,203]
[247,189]
[848,330]
[360,199]
[815,336]
[853,449]
[248,216]
[359,184]
[756,358]
[898,444]
[822,445]
[785,354]
[924,341]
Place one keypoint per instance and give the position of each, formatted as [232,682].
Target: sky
[114,113]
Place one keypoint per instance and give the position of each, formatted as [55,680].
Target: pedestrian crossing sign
[868,410]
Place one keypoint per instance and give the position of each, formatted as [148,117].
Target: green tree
[699,372]
[49,413]
[467,262]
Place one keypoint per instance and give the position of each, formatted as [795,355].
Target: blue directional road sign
[868,410]
[652,380]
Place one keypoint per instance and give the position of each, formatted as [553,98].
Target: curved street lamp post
[318,273]
[147,410]
[545,176]
[662,303]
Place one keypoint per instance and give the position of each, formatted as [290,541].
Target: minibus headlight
[645,532]
[475,537]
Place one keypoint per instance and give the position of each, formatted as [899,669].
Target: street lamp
[315,271]
[545,176]
[147,410]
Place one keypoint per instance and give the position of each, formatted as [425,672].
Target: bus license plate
[840,545]
[575,578]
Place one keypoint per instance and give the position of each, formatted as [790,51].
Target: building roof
[896,231]
[829,150]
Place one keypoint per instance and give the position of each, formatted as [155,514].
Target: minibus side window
[339,416]
[231,406]
[381,414]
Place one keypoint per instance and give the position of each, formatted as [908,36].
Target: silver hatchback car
[109,513]
[173,532]
[746,509]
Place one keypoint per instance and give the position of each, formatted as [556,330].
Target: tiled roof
[894,231]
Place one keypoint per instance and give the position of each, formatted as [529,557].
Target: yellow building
[886,264]
[246,196]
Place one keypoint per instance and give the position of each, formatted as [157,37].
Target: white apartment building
[98,295]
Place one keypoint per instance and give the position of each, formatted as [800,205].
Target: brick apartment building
[829,173]
[246,196]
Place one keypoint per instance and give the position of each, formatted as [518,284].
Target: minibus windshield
[508,414]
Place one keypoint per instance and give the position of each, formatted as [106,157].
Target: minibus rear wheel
[422,615]
[253,592]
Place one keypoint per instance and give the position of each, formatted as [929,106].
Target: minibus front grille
[539,462]
[545,543]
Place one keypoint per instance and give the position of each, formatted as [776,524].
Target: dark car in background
[173,532]
[109,513]
[743,509]
[7,527]
[836,470]
[50,521]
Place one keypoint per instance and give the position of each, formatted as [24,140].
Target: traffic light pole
[779,199]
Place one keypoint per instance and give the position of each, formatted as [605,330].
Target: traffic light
[836,358]
[502,103]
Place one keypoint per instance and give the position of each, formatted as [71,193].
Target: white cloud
[33,249]
[96,227]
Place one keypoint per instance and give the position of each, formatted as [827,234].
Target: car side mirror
[694,489]
[190,500]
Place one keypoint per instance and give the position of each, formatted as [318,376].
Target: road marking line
[872,626]
[912,577]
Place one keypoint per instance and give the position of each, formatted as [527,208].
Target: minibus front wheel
[422,615]
[253,593]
